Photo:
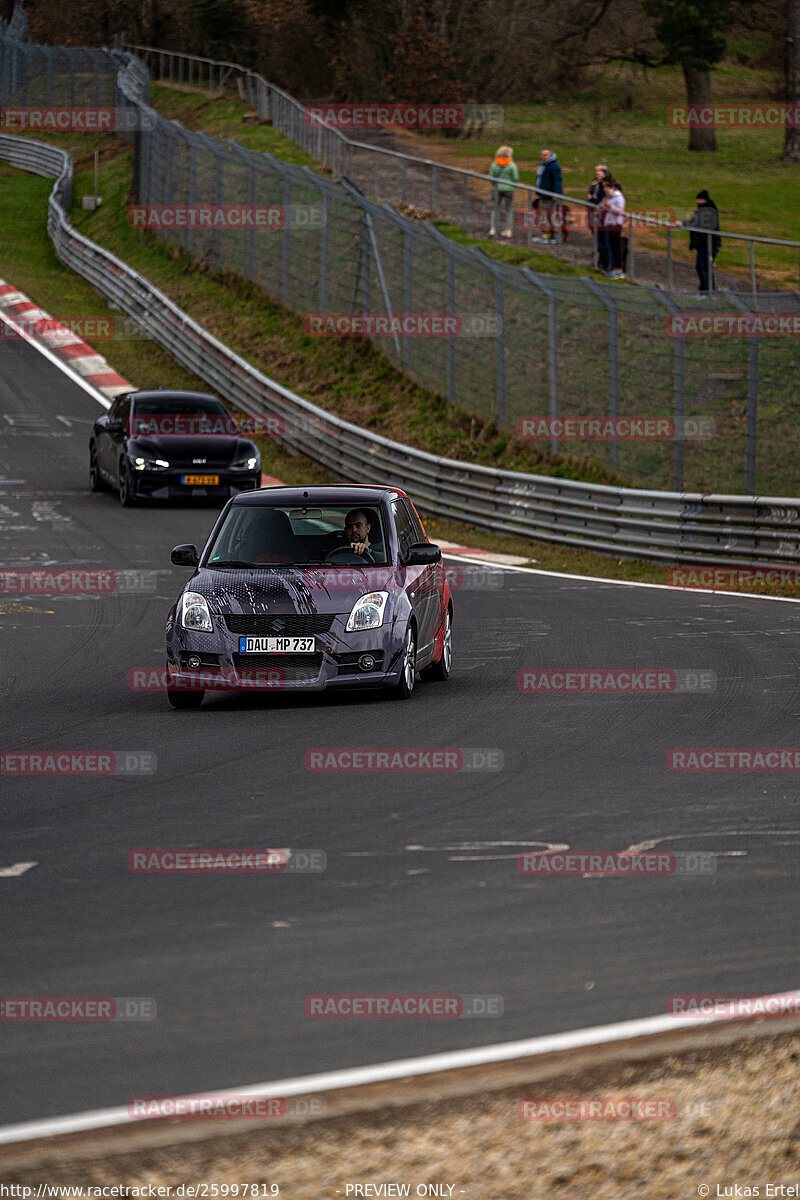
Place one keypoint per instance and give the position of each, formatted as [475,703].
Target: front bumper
[334,664]
[167,485]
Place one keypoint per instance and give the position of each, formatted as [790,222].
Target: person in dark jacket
[548,179]
[594,194]
[703,220]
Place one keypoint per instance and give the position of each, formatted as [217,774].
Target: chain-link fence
[535,353]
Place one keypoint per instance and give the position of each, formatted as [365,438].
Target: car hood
[299,589]
[215,450]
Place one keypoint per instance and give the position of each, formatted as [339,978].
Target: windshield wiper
[232,562]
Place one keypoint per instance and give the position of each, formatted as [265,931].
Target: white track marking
[330,1081]
[663,587]
[16,869]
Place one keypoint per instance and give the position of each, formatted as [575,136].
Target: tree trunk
[698,94]
[791,141]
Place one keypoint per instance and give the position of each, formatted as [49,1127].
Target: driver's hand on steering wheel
[359,547]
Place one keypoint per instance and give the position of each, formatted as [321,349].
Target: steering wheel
[350,557]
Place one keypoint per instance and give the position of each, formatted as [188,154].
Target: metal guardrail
[333,147]
[658,526]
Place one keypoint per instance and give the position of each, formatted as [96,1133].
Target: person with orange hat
[505,174]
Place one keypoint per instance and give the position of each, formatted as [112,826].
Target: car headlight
[152,464]
[194,612]
[246,464]
[367,612]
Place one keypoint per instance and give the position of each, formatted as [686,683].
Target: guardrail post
[631,254]
[499,305]
[433,187]
[552,345]
[753,267]
[679,393]
[613,360]
[751,442]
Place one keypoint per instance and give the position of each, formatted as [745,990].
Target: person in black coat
[594,194]
[702,222]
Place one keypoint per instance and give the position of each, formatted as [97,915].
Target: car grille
[295,668]
[279,624]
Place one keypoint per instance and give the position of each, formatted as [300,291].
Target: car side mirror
[423,554]
[115,425]
[185,556]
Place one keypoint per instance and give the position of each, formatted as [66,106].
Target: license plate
[276,645]
[200,480]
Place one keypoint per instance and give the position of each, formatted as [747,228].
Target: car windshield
[172,416]
[261,535]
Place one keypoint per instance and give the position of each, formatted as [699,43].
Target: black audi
[308,589]
[167,444]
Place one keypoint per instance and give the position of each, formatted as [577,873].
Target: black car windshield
[188,416]
[268,536]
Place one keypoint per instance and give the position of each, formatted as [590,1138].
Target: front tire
[439,671]
[184,699]
[404,687]
[95,482]
[126,486]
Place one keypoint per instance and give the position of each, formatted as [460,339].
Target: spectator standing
[505,174]
[702,222]
[548,178]
[612,208]
[594,194]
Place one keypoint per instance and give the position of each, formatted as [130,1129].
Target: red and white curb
[76,354]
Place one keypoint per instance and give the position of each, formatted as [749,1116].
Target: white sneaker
[506,233]
[491,233]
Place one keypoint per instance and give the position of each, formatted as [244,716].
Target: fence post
[450,301]
[679,393]
[613,360]
[631,254]
[751,442]
[286,244]
[408,291]
[552,345]
[323,254]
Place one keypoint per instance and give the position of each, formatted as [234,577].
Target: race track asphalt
[422,893]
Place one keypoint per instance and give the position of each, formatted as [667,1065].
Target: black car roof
[351,493]
[170,394]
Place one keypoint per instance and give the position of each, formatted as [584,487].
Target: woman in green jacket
[505,174]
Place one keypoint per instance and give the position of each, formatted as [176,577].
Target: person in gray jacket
[505,174]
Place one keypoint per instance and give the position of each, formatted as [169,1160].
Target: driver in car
[356,531]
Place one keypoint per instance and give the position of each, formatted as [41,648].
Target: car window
[121,409]
[402,523]
[419,532]
[263,534]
